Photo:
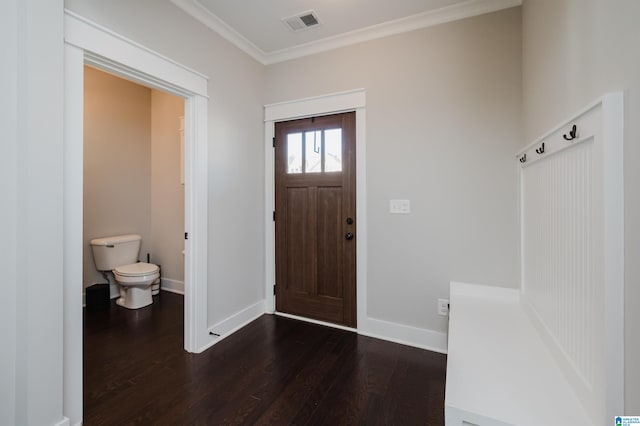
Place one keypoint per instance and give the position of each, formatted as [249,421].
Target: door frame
[334,103]
[89,43]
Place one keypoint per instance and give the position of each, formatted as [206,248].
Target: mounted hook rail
[523,159]
[541,149]
[573,133]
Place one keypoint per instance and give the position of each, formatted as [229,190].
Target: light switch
[399,206]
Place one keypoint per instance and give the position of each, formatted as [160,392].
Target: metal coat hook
[523,159]
[573,133]
[541,149]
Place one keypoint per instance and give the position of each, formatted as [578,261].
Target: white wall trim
[405,334]
[235,322]
[443,15]
[354,100]
[115,49]
[202,14]
[431,18]
[317,105]
[613,152]
[172,286]
[87,42]
[389,331]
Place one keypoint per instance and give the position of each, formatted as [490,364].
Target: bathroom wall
[132,172]
[167,193]
[117,166]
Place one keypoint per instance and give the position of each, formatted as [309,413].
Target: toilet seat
[136,269]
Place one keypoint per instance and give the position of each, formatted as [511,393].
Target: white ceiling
[256,25]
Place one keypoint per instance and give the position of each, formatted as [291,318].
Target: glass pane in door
[294,153]
[333,150]
[313,151]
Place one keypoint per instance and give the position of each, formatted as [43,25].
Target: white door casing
[88,43]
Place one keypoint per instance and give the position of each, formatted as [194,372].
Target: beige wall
[442,126]
[575,51]
[117,166]
[167,193]
[132,171]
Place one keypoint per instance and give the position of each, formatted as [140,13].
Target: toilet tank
[119,250]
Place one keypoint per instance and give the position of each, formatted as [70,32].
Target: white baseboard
[422,338]
[390,331]
[235,322]
[172,286]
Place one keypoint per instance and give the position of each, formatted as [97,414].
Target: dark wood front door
[315,218]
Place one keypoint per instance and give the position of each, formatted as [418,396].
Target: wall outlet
[443,307]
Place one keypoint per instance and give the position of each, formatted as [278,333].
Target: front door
[315,218]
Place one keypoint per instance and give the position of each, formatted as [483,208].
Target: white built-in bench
[499,370]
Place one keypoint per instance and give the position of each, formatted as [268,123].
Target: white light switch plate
[399,206]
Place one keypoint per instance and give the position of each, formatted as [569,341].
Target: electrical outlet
[443,307]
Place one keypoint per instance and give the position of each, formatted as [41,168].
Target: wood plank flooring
[275,371]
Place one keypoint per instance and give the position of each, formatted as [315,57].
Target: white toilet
[119,254]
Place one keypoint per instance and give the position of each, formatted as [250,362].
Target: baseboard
[393,332]
[172,286]
[235,322]
[405,334]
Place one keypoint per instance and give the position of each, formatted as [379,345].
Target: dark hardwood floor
[275,371]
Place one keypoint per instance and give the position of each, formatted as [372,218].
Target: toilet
[119,255]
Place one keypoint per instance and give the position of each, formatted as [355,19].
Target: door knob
[348,236]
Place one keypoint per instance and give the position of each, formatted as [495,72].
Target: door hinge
[274,289]
[274,142]
[274,215]
[186,235]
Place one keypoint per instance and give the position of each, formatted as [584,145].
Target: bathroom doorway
[133,178]
[90,44]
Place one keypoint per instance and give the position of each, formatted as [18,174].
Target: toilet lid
[136,269]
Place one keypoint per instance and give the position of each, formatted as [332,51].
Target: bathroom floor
[274,371]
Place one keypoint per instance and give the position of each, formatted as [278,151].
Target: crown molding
[465,9]
[202,14]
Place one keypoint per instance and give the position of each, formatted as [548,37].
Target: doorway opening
[87,43]
[354,102]
[315,218]
[133,180]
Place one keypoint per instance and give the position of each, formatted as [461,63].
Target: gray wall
[443,124]
[31,217]
[573,53]
[236,170]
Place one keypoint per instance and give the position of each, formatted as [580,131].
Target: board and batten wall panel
[569,283]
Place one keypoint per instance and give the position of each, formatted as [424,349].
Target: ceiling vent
[302,21]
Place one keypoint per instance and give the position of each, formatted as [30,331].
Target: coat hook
[572,134]
[523,159]
[541,149]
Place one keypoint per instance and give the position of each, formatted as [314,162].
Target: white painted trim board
[89,43]
[462,10]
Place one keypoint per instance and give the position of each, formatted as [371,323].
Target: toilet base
[135,297]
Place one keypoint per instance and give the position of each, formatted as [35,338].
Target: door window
[314,151]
